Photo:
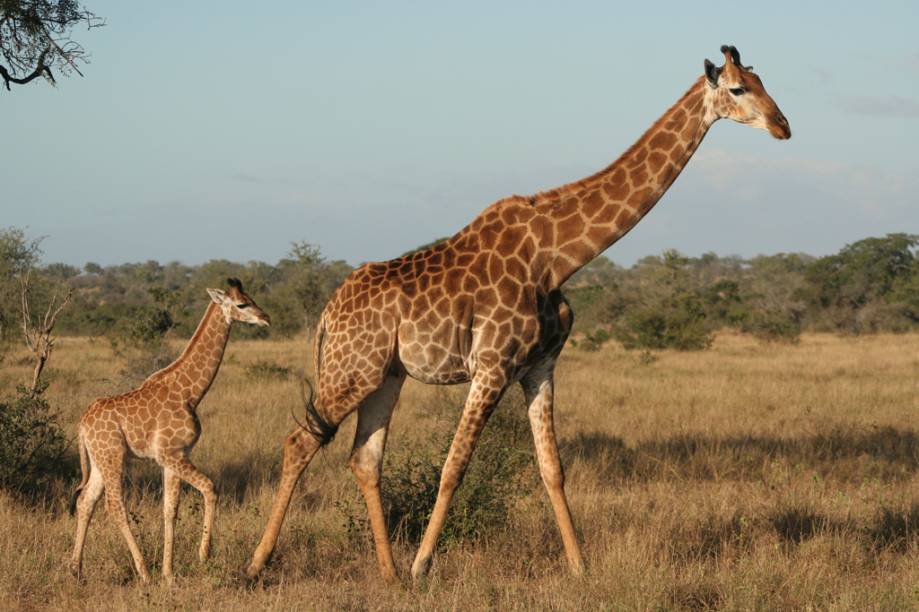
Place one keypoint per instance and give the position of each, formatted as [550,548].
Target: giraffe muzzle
[781,130]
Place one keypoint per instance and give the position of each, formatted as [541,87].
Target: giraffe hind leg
[538,390]
[85,504]
[373,416]
[299,449]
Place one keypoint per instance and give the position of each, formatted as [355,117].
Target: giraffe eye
[241,306]
[738,91]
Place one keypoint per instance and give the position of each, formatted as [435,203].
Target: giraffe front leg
[538,388]
[366,462]
[171,486]
[299,448]
[483,397]
[186,470]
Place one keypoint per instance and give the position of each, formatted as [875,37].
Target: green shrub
[678,322]
[594,340]
[501,469]
[772,326]
[31,443]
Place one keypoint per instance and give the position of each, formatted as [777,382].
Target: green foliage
[31,443]
[669,300]
[151,324]
[771,326]
[678,322]
[594,340]
[18,255]
[502,468]
[868,271]
[670,312]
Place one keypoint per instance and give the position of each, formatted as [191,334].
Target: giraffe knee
[450,480]
[208,489]
[365,470]
[297,447]
[114,505]
[553,478]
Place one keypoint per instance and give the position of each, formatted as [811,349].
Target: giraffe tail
[316,425]
[85,467]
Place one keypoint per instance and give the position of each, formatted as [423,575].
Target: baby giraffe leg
[171,485]
[114,500]
[186,470]
[86,504]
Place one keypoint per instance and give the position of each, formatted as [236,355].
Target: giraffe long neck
[196,368]
[593,213]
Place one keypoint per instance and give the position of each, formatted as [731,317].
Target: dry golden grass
[750,476]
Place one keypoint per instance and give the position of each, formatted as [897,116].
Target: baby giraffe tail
[84,468]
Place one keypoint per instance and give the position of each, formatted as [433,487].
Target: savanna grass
[750,476]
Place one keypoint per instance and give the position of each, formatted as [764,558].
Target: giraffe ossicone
[158,421]
[485,307]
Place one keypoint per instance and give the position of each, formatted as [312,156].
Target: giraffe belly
[434,365]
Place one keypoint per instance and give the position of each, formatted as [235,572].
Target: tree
[37,329]
[35,36]
[17,256]
[865,273]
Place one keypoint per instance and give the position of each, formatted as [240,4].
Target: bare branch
[38,333]
[40,69]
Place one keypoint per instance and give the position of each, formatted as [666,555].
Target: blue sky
[229,130]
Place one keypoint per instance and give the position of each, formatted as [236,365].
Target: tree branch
[40,69]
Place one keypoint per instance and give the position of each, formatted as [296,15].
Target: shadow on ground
[887,454]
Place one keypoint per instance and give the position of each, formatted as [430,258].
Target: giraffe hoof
[77,573]
[420,568]
[251,572]
[390,577]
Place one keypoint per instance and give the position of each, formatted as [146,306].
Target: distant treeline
[668,300]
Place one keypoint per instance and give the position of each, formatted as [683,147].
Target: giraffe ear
[217,296]
[712,73]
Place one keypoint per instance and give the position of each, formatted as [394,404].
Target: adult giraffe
[485,306]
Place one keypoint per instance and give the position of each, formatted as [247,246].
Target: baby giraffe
[158,421]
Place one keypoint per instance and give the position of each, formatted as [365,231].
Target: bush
[31,443]
[678,323]
[594,340]
[877,316]
[501,468]
[771,326]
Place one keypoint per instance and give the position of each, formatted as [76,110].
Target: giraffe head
[738,94]
[237,306]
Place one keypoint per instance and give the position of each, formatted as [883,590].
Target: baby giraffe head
[737,93]
[237,306]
